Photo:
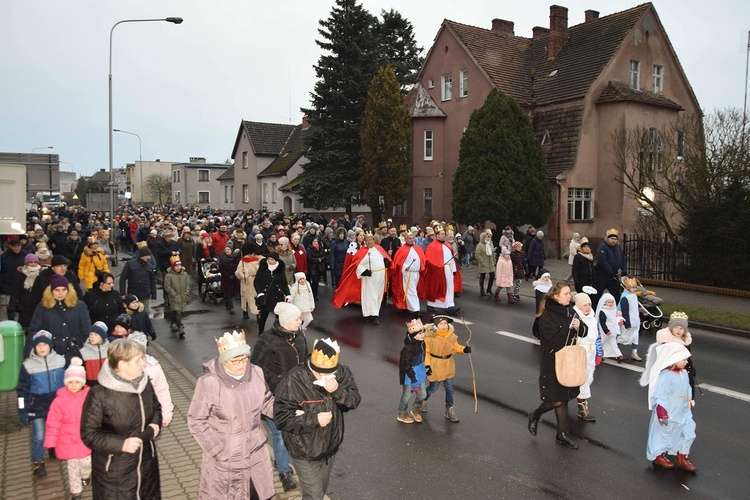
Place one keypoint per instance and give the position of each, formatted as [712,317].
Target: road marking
[638,369]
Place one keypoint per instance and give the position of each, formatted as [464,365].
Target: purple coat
[224,418]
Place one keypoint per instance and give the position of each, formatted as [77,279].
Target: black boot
[533,423]
[287,482]
[245,315]
[481,286]
[563,439]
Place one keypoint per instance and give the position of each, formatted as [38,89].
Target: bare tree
[158,186]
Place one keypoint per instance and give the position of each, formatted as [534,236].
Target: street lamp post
[140,157]
[174,20]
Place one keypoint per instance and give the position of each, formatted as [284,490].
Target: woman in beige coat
[246,271]
[485,256]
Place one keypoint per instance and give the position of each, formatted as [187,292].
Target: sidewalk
[179,454]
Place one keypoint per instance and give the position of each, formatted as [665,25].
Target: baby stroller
[648,305]
[212,282]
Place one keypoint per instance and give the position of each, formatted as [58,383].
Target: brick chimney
[305,122]
[591,15]
[558,30]
[503,27]
[538,32]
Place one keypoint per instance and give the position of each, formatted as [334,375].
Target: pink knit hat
[75,371]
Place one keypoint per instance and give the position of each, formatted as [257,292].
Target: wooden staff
[471,364]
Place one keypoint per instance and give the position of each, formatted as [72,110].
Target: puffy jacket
[63,426]
[273,284]
[94,357]
[298,401]
[89,264]
[277,351]
[68,322]
[139,279]
[411,367]
[40,378]
[104,306]
[536,254]
[177,286]
[114,411]
[141,322]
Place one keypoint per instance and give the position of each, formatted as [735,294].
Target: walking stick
[471,364]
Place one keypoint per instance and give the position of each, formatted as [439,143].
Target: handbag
[570,364]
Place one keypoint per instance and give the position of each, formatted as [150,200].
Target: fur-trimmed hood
[48,300]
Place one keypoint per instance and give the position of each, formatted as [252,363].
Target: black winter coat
[583,272]
[316,260]
[42,282]
[20,300]
[113,411]
[230,283]
[139,279]
[69,326]
[73,251]
[164,251]
[11,262]
[412,351]
[553,327]
[104,306]
[297,403]
[273,284]
[277,351]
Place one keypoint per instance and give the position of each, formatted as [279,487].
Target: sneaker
[287,482]
[423,408]
[416,414]
[39,469]
[181,330]
[173,327]
[450,414]
[634,356]
[405,418]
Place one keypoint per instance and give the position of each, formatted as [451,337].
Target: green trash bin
[11,354]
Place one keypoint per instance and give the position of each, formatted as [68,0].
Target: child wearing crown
[632,326]
[412,373]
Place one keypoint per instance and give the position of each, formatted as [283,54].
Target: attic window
[430,83]
[554,72]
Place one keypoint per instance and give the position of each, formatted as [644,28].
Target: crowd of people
[86,365]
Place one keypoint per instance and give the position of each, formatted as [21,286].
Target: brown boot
[511,300]
[497,296]
[682,461]
[663,461]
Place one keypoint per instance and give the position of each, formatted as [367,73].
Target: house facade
[196,183]
[137,174]
[579,85]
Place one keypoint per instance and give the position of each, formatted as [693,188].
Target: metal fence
[719,262]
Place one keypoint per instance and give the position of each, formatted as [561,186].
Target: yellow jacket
[88,265]
[440,347]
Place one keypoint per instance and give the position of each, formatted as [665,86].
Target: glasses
[239,362]
[110,283]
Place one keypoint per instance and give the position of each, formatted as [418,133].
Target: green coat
[485,262]
[177,286]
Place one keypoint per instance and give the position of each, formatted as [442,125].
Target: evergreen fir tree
[398,47]
[385,136]
[502,175]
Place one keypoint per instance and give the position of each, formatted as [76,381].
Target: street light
[43,147]
[140,156]
[173,20]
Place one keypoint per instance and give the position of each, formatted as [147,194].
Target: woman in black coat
[583,267]
[63,315]
[316,256]
[104,301]
[556,325]
[120,420]
[271,286]
[229,259]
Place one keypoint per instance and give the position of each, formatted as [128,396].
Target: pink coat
[504,271]
[63,432]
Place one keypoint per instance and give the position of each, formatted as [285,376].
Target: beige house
[138,172]
[196,183]
[579,84]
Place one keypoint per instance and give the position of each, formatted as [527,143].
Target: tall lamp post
[174,20]
[140,157]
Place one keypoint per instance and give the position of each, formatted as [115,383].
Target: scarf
[135,382]
[273,267]
[31,275]
[587,255]
[488,247]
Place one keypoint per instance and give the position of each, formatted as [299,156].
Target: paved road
[491,454]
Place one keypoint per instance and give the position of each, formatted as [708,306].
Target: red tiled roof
[562,127]
[619,92]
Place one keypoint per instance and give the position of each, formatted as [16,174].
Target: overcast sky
[184,89]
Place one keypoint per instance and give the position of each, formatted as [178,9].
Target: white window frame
[175,176]
[580,201]
[446,87]
[430,83]
[207,193]
[427,203]
[429,145]
[176,197]
[274,193]
[244,159]
[463,80]
[658,79]
[635,74]
[208,175]
[245,193]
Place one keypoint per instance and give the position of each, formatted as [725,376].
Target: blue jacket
[609,259]
[139,279]
[39,380]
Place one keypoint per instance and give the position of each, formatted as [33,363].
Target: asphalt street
[491,454]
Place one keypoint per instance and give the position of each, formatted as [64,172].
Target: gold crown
[230,341]
[402,227]
[449,227]
[433,222]
[321,360]
[439,228]
[613,232]
[140,244]
[368,233]
[631,282]
[382,224]
[414,326]
[174,258]
[678,315]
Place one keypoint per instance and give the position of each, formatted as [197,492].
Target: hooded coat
[485,260]
[63,426]
[68,321]
[114,411]
[225,419]
[90,263]
[246,271]
[273,284]
[177,286]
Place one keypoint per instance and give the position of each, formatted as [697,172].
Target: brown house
[579,84]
